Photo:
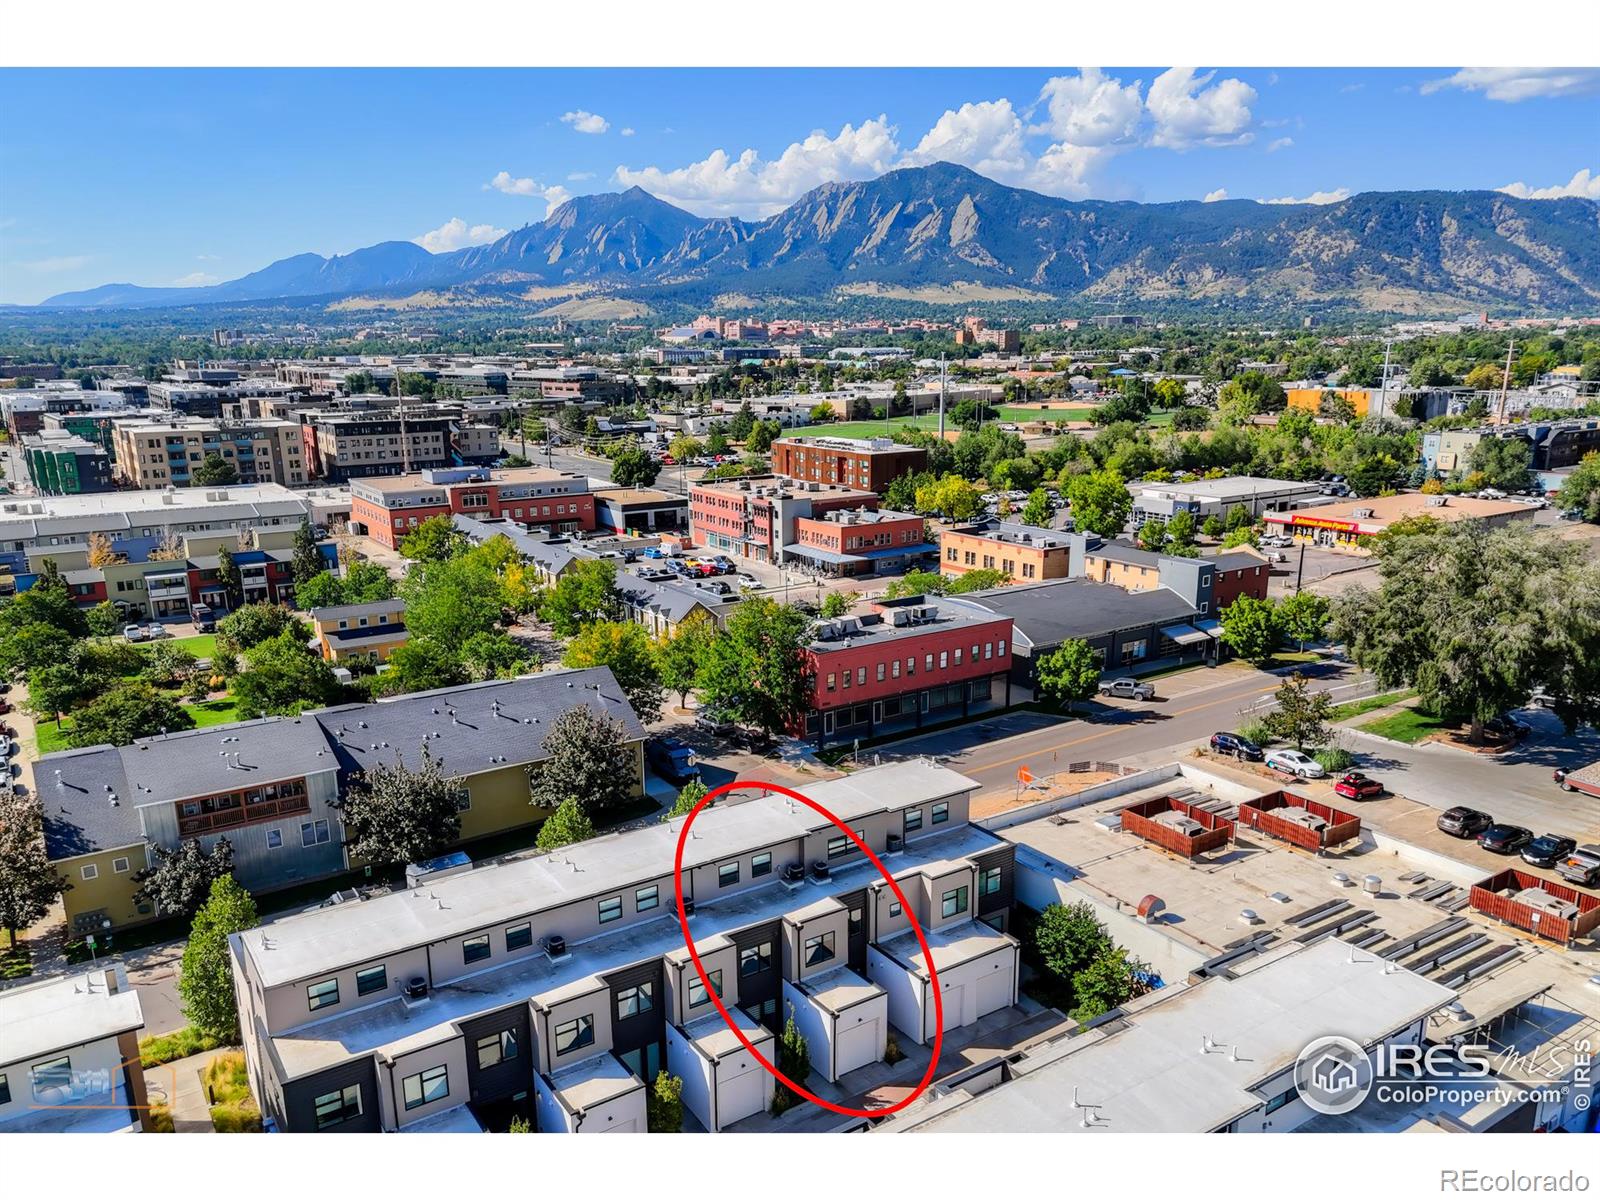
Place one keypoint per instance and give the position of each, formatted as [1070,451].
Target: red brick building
[758,518]
[903,664]
[1239,573]
[388,508]
[857,541]
[869,464]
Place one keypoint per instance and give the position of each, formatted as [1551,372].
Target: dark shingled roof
[474,728]
[1047,614]
[79,817]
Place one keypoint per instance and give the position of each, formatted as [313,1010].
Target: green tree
[952,497]
[588,757]
[126,713]
[1100,502]
[632,467]
[763,435]
[434,540]
[256,623]
[1301,715]
[205,984]
[393,815]
[586,593]
[1067,940]
[282,677]
[1581,489]
[1502,462]
[918,583]
[33,646]
[60,687]
[178,881]
[228,576]
[980,579]
[423,664]
[688,796]
[568,824]
[1485,377]
[29,884]
[1153,534]
[679,655]
[308,562]
[794,1062]
[1180,532]
[104,619]
[742,423]
[362,583]
[1250,629]
[836,604]
[664,1108]
[1036,511]
[1212,526]
[214,471]
[1109,982]
[1239,518]
[1069,673]
[451,599]
[756,671]
[625,648]
[493,654]
[1304,617]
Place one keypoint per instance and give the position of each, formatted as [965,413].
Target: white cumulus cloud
[750,185]
[1090,109]
[986,136]
[586,122]
[1584,184]
[1329,197]
[554,195]
[1190,110]
[1282,143]
[1511,84]
[196,279]
[627,131]
[456,233]
[1219,194]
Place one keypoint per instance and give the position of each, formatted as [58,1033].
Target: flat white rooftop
[1145,1073]
[72,1010]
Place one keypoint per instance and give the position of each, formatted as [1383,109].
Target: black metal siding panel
[856,939]
[634,1033]
[1004,857]
[299,1098]
[510,1076]
[764,985]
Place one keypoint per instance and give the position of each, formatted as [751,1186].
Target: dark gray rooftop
[1046,614]
[79,817]
[373,608]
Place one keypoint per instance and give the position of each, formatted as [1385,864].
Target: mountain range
[945,232]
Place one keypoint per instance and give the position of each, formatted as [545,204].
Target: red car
[1353,785]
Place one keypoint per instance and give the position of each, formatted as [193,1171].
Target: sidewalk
[180,1086]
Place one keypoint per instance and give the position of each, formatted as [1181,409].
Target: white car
[134,633]
[1292,762]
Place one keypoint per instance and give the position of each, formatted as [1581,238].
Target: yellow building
[371,631]
[1310,399]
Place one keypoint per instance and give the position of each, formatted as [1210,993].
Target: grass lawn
[1410,726]
[49,738]
[169,1047]
[1356,708]
[214,712]
[201,645]
[1290,658]
[227,1082]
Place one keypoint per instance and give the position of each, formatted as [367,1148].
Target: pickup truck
[1584,779]
[1128,689]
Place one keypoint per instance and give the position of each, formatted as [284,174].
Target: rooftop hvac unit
[688,906]
[901,617]
[1437,501]
[794,872]
[555,945]
[892,843]
[1361,514]
[416,987]
[1372,885]
[820,872]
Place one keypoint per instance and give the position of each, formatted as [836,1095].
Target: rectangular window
[313,833]
[575,1034]
[894,669]
[322,995]
[861,677]
[728,874]
[1001,647]
[913,820]
[944,659]
[954,902]
[1278,1102]
[838,847]
[761,865]
[880,672]
[958,656]
[475,949]
[426,1086]
[989,882]
[697,990]
[5,1090]
[847,678]
[941,812]
[819,949]
[831,680]
[646,898]
[610,909]
[927,664]
[119,866]
[519,937]
[338,1107]
[274,839]
[496,1048]
[632,1001]
[372,979]
[895,909]
[755,959]
[90,871]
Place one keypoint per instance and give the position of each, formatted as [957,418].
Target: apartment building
[364,632]
[1552,445]
[137,522]
[63,464]
[905,663]
[561,985]
[861,541]
[24,411]
[341,447]
[166,454]
[758,518]
[870,464]
[1240,572]
[1024,553]
[269,785]
[387,509]
[69,1060]
[203,393]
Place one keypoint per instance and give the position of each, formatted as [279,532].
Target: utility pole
[1383,386]
[1505,384]
[941,396]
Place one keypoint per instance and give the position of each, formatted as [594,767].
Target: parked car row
[144,633]
[1574,863]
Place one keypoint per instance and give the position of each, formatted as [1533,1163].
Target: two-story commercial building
[861,541]
[269,786]
[1024,553]
[561,985]
[758,518]
[386,509]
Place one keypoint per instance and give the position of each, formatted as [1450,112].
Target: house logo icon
[1333,1075]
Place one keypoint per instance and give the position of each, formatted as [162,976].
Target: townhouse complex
[561,984]
[272,786]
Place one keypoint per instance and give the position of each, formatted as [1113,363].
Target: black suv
[1239,747]
[1464,822]
[1504,839]
[1548,850]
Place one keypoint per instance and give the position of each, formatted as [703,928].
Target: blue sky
[160,177]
